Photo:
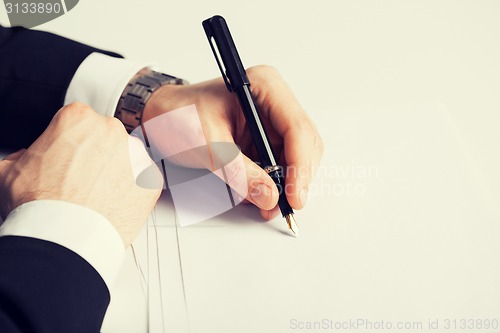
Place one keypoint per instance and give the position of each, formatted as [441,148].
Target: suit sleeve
[44,287]
[36,69]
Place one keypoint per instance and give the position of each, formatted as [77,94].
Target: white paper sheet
[398,229]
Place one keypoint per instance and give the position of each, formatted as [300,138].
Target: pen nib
[292,225]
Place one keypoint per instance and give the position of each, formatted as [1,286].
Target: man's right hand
[82,158]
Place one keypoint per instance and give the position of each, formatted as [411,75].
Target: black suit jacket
[35,71]
[44,287]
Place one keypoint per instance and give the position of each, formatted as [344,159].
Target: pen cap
[222,44]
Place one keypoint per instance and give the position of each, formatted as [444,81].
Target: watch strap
[137,93]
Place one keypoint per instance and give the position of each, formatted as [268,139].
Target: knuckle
[77,109]
[320,144]
[74,112]
[115,125]
[263,71]
[114,128]
[303,125]
[307,128]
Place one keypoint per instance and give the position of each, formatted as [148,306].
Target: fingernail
[261,194]
[303,197]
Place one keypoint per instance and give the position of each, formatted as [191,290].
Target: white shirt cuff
[100,80]
[80,229]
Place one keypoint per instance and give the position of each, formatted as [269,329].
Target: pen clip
[215,50]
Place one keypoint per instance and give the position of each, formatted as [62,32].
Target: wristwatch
[135,96]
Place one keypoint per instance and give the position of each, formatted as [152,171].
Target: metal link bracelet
[135,96]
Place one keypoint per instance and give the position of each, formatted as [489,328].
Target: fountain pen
[236,81]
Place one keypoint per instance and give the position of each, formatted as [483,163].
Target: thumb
[262,190]
[245,177]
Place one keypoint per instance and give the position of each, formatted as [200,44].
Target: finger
[303,146]
[303,151]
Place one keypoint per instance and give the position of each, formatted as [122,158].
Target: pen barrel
[255,126]
[279,179]
[262,144]
[236,81]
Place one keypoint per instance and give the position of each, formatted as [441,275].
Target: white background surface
[407,89]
